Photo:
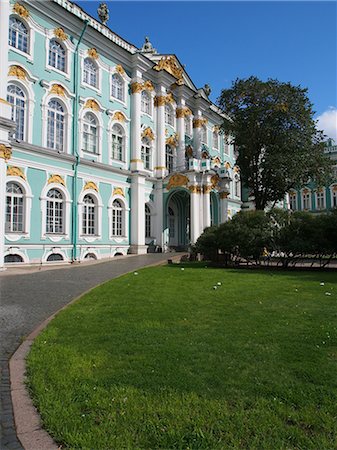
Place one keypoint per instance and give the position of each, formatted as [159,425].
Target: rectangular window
[306,201]
[320,200]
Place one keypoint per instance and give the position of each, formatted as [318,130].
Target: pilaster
[181,113]
[5,154]
[195,212]
[159,103]
[223,206]
[159,205]
[138,214]
[206,189]
[197,124]
[136,141]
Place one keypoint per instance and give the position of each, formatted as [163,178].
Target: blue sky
[220,41]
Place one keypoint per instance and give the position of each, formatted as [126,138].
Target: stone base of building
[138,249]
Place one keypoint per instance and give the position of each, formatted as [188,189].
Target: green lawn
[161,360]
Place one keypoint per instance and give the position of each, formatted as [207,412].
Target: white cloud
[328,122]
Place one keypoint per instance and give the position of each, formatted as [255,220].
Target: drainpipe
[75,144]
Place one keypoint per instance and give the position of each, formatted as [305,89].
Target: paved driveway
[27,297]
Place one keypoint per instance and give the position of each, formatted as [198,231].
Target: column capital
[5,152]
[183,112]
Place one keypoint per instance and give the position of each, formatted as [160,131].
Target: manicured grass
[161,360]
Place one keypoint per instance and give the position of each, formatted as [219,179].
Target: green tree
[274,131]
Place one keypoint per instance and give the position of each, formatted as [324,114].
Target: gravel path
[29,296]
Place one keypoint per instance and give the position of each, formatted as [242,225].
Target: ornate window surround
[309,199]
[27,207]
[126,79]
[66,102]
[99,65]
[152,209]
[293,194]
[26,86]
[100,129]
[125,219]
[323,198]
[27,21]
[98,217]
[333,192]
[125,127]
[68,49]
[66,212]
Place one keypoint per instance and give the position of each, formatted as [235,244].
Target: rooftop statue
[147,46]
[103,13]
[207,89]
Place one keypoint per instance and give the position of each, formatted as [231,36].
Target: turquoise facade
[45,159]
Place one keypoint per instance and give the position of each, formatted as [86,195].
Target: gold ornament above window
[119,116]
[228,165]
[15,172]
[21,10]
[215,181]
[92,53]
[57,179]
[216,160]
[216,129]
[5,152]
[58,90]
[118,191]
[90,185]
[92,104]
[148,133]
[59,33]
[172,140]
[17,71]
[177,180]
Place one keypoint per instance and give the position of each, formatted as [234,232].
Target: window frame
[169,114]
[117,76]
[98,216]
[65,125]
[66,59]
[148,95]
[320,197]
[25,110]
[125,218]
[13,236]
[28,35]
[146,157]
[308,199]
[95,63]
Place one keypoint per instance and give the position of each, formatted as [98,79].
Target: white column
[197,124]
[160,169]
[159,205]
[138,214]
[207,205]
[223,207]
[180,115]
[136,141]
[195,214]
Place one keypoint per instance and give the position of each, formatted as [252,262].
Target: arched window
[169,158]
[57,55]
[215,140]
[146,102]
[117,87]
[55,125]
[147,221]
[169,115]
[90,133]
[146,153]
[117,218]
[55,212]
[18,34]
[13,259]
[17,99]
[117,142]
[237,186]
[204,135]
[89,217]
[306,199]
[320,199]
[55,257]
[90,72]
[14,208]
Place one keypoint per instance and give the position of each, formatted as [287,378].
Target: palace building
[105,148]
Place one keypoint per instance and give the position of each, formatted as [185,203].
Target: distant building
[114,148]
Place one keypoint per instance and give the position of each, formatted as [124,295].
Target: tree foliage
[279,147]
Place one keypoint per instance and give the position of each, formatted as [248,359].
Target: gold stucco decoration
[136,87]
[59,33]
[17,71]
[172,140]
[177,180]
[21,10]
[57,179]
[169,63]
[119,69]
[194,189]
[5,152]
[183,112]
[162,100]
[215,181]
[334,188]
[216,160]
[92,53]
[148,86]
[204,155]
[236,169]
[119,116]
[118,191]
[228,165]
[148,133]
[90,185]
[206,189]
[92,104]
[306,191]
[15,172]
[198,123]
[58,90]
